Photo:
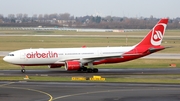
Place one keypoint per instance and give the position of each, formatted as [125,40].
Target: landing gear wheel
[89,70]
[23,70]
[84,68]
[80,69]
[95,70]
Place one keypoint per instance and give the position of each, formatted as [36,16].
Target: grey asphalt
[102,72]
[79,91]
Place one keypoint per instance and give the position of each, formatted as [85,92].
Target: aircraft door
[100,53]
[22,55]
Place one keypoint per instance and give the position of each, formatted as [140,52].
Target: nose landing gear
[23,70]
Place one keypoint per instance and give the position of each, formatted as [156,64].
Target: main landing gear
[90,69]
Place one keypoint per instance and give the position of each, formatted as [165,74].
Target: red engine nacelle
[55,66]
[72,65]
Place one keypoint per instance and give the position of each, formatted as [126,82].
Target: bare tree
[40,17]
[1,16]
[34,16]
[46,16]
[65,16]
[11,16]
[19,16]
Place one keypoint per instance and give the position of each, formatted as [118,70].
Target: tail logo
[157,34]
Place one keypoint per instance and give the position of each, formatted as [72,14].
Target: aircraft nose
[5,58]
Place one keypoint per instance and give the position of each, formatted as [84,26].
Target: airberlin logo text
[49,54]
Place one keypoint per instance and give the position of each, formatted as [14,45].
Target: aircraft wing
[88,59]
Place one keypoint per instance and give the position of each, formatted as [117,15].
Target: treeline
[67,20]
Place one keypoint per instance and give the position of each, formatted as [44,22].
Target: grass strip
[173,79]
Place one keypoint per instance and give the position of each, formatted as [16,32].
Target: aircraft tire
[79,70]
[84,68]
[23,70]
[95,70]
[89,70]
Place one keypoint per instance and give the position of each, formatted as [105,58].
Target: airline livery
[81,58]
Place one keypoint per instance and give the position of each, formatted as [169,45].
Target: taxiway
[54,91]
[102,72]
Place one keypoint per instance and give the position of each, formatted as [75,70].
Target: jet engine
[72,65]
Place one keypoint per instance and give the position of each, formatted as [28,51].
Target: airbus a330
[81,58]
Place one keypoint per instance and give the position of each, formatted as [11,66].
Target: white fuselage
[60,55]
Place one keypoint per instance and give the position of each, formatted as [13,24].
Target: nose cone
[5,59]
[8,59]
[11,58]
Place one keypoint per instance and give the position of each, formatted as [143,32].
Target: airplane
[78,59]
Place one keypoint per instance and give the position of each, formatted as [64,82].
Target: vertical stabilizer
[155,36]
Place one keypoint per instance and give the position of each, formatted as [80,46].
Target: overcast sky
[128,8]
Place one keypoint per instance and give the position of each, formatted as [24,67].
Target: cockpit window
[10,54]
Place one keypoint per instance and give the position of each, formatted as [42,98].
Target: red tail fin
[155,36]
